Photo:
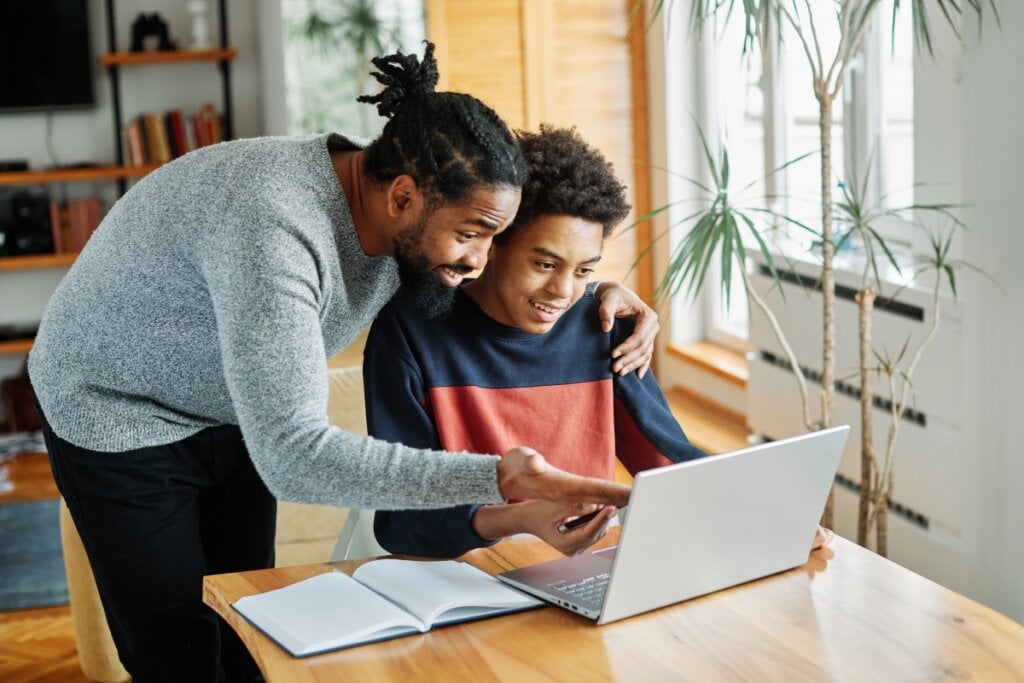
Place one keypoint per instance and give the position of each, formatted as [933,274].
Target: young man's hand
[636,352]
[822,537]
[542,519]
[524,473]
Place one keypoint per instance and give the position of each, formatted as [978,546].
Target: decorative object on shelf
[147,27]
[11,165]
[199,39]
[25,229]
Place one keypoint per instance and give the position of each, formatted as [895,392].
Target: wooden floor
[39,644]
[36,644]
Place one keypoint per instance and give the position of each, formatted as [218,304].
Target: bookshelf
[15,347]
[72,175]
[167,57]
[33,261]
[113,61]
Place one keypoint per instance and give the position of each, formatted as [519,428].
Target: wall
[88,136]
[986,123]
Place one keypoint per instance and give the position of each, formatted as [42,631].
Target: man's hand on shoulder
[637,350]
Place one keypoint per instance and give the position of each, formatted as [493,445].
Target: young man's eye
[467,236]
[545,265]
[585,272]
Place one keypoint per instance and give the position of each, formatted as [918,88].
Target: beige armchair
[305,534]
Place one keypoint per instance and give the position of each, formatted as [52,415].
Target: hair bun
[404,77]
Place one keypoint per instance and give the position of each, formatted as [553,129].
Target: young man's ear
[404,197]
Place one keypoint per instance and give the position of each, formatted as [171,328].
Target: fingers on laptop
[822,537]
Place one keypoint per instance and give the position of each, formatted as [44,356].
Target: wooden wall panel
[480,52]
[566,62]
[591,72]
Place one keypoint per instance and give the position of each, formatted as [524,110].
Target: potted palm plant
[717,236]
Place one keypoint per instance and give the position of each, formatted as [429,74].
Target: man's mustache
[458,268]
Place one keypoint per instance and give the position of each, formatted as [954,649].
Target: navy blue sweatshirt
[465,382]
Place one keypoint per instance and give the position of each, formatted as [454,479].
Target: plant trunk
[865,307]
[801,381]
[828,281]
[882,523]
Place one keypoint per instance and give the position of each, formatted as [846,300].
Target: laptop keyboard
[590,590]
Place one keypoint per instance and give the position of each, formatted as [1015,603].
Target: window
[762,107]
[328,45]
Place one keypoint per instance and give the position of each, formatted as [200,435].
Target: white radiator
[926,510]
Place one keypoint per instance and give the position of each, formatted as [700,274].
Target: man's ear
[404,197]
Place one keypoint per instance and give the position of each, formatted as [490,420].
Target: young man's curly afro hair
[567,177]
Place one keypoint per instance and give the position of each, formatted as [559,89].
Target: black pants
[153,521]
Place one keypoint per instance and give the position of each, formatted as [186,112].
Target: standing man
[180,367]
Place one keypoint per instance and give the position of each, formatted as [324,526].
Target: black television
[44,45]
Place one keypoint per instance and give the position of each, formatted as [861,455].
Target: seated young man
[521,359]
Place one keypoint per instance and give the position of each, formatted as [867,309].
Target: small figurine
[148,26]
[200,38]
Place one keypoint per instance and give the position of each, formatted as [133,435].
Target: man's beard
[419,286]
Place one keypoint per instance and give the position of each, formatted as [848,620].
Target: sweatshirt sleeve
[265,284]
[647,434]
[397,411]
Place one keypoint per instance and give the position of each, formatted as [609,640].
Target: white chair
[356,539]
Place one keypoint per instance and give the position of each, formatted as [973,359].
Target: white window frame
[863,124]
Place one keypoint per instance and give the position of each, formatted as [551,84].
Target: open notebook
[383,599]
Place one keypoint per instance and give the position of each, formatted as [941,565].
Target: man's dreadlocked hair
[567,177]
[450,143]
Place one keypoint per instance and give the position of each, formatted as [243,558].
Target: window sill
[715,359]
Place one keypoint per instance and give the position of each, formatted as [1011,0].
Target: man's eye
[585,272]
[544,265]
[467,236]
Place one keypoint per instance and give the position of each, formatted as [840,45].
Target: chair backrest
[346,408]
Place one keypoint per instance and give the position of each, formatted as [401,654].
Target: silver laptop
[697,527]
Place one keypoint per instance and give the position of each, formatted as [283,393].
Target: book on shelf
[84,217]
[73,223]
[138,154]
[156,138]
[206,125]
[60,227]
[176,132]
[383,599]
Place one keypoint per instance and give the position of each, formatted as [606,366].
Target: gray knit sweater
[212,294]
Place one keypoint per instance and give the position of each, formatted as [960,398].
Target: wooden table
[846,615]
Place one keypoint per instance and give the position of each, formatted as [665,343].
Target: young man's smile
[536,274]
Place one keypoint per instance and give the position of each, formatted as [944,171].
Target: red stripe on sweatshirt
[572,425]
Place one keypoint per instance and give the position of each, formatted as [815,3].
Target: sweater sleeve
[397,411]
[647,434]
[265,284]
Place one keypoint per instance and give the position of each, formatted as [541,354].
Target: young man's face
[541,271]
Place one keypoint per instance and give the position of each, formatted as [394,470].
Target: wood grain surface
[847,614]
